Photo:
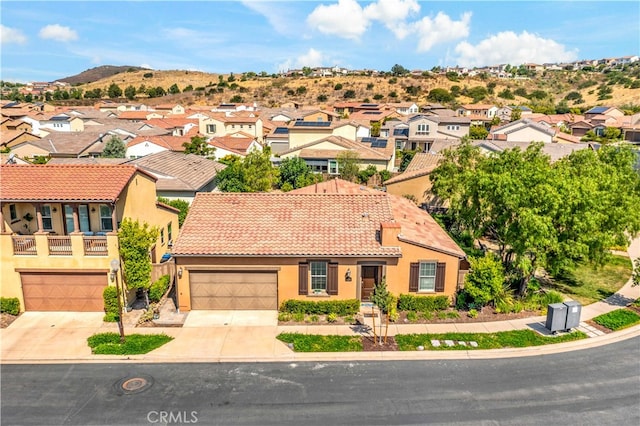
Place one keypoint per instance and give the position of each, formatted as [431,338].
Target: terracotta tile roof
[228,224]
[422,164]
[136,115]
[236,144]
[335,186]
[178,171]
[170,123]
[64,182]
[86,160]
[419,228]
[172,143]
[364,152]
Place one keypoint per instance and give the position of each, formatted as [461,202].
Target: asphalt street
[599,386]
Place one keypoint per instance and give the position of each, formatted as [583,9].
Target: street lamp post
[115,267]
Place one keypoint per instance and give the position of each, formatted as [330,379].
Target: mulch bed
[6,319]
[369,345]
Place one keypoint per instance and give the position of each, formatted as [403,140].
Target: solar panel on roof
[400,132]
[59,118]
[281,131]
[597,110]
[369,105]
[312,124]
[371,112]
[367,140]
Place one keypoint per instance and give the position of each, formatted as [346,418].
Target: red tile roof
[226,224]
[335,186]
[65,182]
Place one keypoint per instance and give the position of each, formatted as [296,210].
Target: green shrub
[472,313]
[412,316]
[332,317]
[323,307]
[109,343]
[10,305]
[428,316]
[110,298]
[298,316]
[618,319]
[159,288]
[410,302]
[349,319]
[485,283]
[315,318]
[284,316]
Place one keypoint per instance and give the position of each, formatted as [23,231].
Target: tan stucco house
[59,230]
[254,251]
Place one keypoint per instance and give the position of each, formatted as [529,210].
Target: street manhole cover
[133,384]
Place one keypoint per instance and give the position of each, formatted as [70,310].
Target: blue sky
[47,40]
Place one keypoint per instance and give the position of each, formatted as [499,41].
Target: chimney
[389,232]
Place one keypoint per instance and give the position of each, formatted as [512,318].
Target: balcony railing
[59,245]
[24,244]
[95,246]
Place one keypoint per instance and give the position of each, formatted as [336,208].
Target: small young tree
[114,148]
[199,146]
[348,165]
[136,240]
[382,299]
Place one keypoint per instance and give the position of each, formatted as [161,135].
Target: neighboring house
[65,144]
[278,139]
[603,110]
[319,115]
[180,175]
[59,226]
[176,126]
[12,138]
[239,144]
[415,181]
[223,125]
[631,128]
[504,113]
[478,113]
[423,130]
[142,115]
[322,155]
[403,108]
[523,130]
[62,123]
[145,145]
[255,251]
[170,109]
[304,132]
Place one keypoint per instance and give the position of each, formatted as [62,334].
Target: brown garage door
[63,292]
[233,290]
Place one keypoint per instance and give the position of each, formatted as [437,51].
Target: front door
[370,276]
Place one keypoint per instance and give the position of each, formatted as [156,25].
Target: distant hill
[99,73]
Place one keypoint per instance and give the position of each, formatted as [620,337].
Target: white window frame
[332,167]
[47,220]
[162,236]
[427,277]
[423,129]
[105,208]
[318,271]
[169,232]
[211,128]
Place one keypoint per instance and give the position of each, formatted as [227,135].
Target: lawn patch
[502,339]
[135,344]
[588,284]
[618,319]
[315,343]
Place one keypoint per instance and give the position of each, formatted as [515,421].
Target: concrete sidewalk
[250,336]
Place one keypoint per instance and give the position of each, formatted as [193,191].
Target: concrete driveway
[231,318]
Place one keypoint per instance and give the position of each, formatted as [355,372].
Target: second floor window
[211,128]
[169,232]
[105,218]
[423,129]
[13,212]
[47,223]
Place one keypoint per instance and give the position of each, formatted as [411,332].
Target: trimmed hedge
[158,288]
[110,298]
[410,302]
[321,307]
[10,305]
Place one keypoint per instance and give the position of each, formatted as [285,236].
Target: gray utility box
[556,317]
[573,314]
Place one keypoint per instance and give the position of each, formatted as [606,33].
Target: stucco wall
[415,186]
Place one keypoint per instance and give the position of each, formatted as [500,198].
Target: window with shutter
[413,276]
[440,273]
[303,278]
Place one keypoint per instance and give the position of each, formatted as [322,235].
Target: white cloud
[275,14]
[511,48]
[58,33]
[393,13]
[344,19]
[313,58]
[11,35]
[440,29]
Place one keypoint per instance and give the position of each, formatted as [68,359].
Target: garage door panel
[234,290]
[63,292]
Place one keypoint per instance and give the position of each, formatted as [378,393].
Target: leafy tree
[135,241]
[253,174]
[322,98]
[393,94]
[199,146]
[231,179]
[295,173]
[378,96]
[188,88]
[181,205]
[365,175]
[506,94]
[301,90]
[114,148]
[348,165]
[338,86]
[478,93]
[130,93]
[491,86]
[521,91]
[114,91]
[478,132]
[306,71]
[452,76]
[349,94]
[485,283]
[541,214]
[399,70]
[174,89]
[516,114]
[237,99]
[407,156]
[439,95]
[231,78]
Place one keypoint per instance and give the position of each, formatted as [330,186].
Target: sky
[49,40]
